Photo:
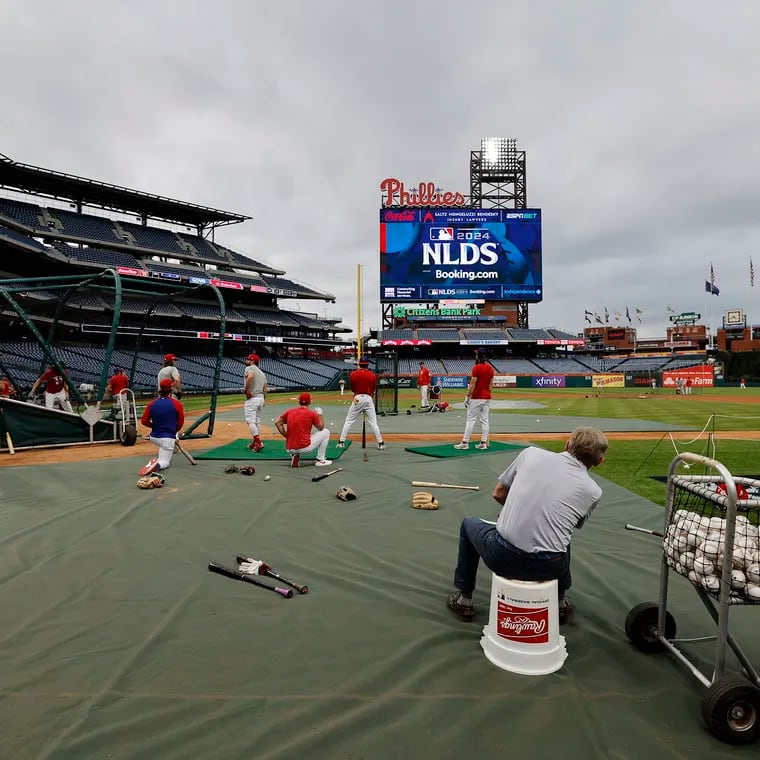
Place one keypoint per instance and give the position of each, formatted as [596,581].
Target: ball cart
[710,537]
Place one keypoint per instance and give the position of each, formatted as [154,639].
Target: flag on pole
[639,312]
[598,318]
[710,286]
[588,315]
[618,315]
[751,273]
[627,314]
[671,310]
[606,316]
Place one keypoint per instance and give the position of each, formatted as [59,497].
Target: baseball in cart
[711,538]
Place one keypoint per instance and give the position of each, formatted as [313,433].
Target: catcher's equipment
[250,470]
[231,468]
[424,500]
[151,481]
[346,493]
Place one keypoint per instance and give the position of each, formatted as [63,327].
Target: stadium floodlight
[499,152]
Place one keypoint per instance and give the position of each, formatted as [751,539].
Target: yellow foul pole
[358,312]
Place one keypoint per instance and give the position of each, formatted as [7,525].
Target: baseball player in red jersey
[478,402]
[118,382]
[296,424]
[56,388]
[423,383]
[6,389]
[165,416]
[362,382]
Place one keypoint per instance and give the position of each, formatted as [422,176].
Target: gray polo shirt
[169,372]
[549,496]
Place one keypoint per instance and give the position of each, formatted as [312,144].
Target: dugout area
[117,642]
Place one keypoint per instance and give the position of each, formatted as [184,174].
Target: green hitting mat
[447,450]
[274,449]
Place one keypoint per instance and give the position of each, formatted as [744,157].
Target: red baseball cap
[364,362]
[252,358]
[165,383]
[304,399]
[169,357]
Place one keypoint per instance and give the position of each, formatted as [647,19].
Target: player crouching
[165,417]
[295,425]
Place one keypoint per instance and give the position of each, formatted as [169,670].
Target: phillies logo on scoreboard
[395,193]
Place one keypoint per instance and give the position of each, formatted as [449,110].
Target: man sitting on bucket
[545,496]
[295,425]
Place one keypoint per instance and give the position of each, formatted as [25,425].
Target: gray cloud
[639,122]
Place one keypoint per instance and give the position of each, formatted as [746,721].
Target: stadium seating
[527,334]
[560,366]
[439,336]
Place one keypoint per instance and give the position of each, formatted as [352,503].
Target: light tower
[497,180]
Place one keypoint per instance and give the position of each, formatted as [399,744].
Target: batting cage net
[386,391]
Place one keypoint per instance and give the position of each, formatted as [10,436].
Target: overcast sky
[641,124]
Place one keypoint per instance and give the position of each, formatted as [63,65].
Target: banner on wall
[700,375]
[608,381]
[505,381]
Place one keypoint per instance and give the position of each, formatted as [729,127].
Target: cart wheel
[640,626]
[129,436]
[730,709]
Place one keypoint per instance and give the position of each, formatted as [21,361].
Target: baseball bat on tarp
[232,572]
[266,570]
[8,439]
[324,475]
[185,453]
[428,484]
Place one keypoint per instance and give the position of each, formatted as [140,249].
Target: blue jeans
[479,539]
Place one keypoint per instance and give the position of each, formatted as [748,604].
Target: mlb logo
[441,233]
[433,291]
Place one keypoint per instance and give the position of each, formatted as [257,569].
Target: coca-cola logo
[524,624]
[395,193]
[399,216]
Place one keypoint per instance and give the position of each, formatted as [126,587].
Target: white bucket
[522,634]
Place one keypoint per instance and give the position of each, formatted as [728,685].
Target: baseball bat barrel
[657,533]
[324,475]
[428,484]
[272,574]
[231,572]
[9,441]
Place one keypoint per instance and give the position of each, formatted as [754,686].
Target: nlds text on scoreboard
[494,254]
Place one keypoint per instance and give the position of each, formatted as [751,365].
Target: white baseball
[711,582]
[716,523]
[703,565]
[753,574]
[679,542]
[687,559]
[738,580]
[267,477]
[752,590]
[693,577]
[710,548]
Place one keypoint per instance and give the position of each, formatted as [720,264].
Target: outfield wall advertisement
[701,376]
[460,253]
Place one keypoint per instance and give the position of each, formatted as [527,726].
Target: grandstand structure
[65,240]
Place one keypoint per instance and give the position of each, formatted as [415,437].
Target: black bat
[266,570]
[324,475]
[232,572]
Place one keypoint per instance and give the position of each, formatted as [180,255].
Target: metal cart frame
[731,706]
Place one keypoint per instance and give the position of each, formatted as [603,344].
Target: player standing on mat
[56,388]
[295,426]
[165,417]
[423,383]
[255,387]
[478,402]
[170,371]
[362,382]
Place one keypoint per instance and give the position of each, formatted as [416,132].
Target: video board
[462,253]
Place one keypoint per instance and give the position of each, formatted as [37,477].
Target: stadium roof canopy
[52,184]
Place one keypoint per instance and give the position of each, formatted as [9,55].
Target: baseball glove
[250,470]
[424,500]
[231,468]
[346,493]
[151,481]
